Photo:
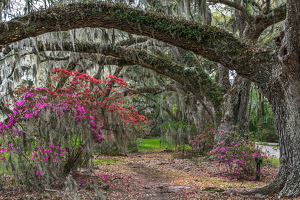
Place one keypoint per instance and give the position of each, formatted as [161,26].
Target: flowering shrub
[199,146]
[238,156]
[54,128]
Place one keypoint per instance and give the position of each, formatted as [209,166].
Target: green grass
[154,145]
[274,161]
[108,162]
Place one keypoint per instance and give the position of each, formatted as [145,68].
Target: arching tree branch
[196,81]
[210,42]
[235,5]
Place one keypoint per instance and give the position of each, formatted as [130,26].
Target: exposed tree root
[275,187]
[291,187]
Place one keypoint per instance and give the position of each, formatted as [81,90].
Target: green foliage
[174,108]
[109,148]
[175,3]
[249,7]
[262,128]
[155,144]
[108,161]
[187,56]
[175,125]
[273,161]
[132,146]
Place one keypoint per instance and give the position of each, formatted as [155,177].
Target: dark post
[258,161]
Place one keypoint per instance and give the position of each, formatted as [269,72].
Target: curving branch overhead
[209,42]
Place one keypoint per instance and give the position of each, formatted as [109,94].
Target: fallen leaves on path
[151,176]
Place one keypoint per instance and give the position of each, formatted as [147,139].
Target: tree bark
[283,93]
[234,109]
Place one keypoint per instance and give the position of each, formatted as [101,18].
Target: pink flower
[38,173]
[255,155]
[57,147]
[10,144]
[54,159]
[18,148]
[27,116]
[2,158]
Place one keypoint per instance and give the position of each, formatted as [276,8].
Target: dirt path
[157,176]
[149,176]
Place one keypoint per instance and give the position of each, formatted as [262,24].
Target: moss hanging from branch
[210,42]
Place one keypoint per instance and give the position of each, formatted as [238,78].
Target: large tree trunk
[286,107]
[283,92]
[234,109]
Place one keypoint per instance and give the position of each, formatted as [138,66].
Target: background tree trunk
[234,109]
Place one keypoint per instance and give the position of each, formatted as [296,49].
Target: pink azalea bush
[51,129]
[199,146]
[239,157]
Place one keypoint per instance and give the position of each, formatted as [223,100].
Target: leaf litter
[150,175]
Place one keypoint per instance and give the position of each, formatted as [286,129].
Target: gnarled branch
[210,42]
